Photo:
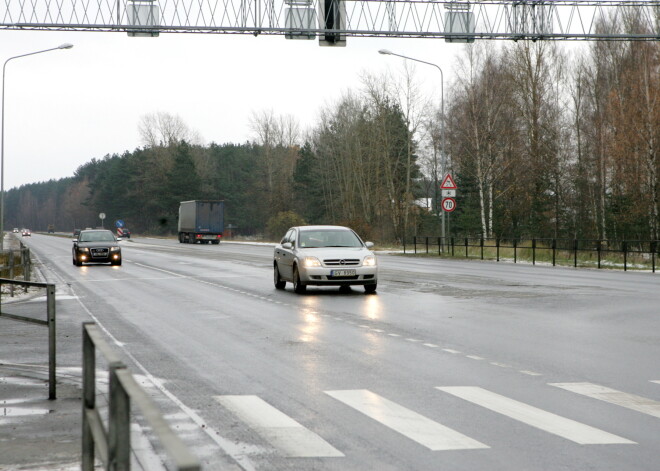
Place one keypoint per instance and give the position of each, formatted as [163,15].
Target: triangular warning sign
[448,183]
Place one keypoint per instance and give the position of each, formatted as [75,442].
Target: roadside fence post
[466,247]
[554,252]
[497,250]
[440,246]
[119,430]
[52,344]
[482,248]
[452,246]
[653,250]
[515,250]
[625,256]
[575,250]
[533,251]
[89,399]
[415,244]
[11,271]
[426,239]
[598,249]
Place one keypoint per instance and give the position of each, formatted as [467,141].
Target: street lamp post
[442,123]
[2,140]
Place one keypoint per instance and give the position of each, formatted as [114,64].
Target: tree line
[543,141]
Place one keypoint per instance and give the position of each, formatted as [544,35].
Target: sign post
[101,217]
[448,188]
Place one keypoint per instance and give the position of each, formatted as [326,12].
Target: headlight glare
[114,249]
[311,262]
[369,261]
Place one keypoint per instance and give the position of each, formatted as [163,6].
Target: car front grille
[100,252]
[341,262]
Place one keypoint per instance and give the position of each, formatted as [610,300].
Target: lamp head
[384,51]
[65,46]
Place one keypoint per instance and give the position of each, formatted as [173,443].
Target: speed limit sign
[448,204]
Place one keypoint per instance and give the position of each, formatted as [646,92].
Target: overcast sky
[65,107]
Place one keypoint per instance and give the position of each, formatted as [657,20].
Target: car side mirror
[287,245]
[74,240]
[369,245]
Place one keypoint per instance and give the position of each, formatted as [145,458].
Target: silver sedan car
[324,256]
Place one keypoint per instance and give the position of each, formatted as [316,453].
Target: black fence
[633,254]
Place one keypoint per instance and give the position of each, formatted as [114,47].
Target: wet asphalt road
[454,364]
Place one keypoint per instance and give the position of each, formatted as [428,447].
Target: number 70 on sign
[448,204]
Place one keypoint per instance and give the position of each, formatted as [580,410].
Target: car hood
[90,245]
[334,252]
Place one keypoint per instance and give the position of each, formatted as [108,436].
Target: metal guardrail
[49,322]
[565,249]
[113,445]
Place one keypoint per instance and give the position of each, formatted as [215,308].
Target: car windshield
[328,238]
[96,237]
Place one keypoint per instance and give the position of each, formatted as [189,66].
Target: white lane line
[475,357]
[538,418]
[394,335]
[430,345]
[410,424]
[612,396]
[449,350]
[278,429]
[501,365]
[655,381]
[530,373]
[413,340]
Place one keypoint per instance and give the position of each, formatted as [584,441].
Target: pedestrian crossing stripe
[538,418]
[412,425]
[278,429]
[612,396]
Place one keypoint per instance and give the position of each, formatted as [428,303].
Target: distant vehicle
[201,221]
[76,233]
[96,246]
[123,232]
[27,233]
[324,255]
[16,231]
[51,228]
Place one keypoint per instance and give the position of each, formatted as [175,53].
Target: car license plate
[342,273]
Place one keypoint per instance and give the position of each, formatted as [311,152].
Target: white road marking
[277,428]
[655,381]
[394,335]
[430,345]
[612,396]
[475,357]
[449,350]
[538,418]
[416,427]
[530,373]
[413,340]
[501,365]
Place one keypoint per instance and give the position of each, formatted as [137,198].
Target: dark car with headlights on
[96,246]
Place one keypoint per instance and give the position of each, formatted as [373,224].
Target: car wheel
[298,286]
[370,288]
[279,282]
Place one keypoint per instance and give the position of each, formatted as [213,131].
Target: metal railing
[113,445]
[49,322]
[575,252]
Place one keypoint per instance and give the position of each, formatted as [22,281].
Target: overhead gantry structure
[332,21]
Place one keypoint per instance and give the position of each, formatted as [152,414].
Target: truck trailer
[201,221]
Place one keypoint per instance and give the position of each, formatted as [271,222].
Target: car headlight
[369,261]
[114,249]
[83,250]
[310,262]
